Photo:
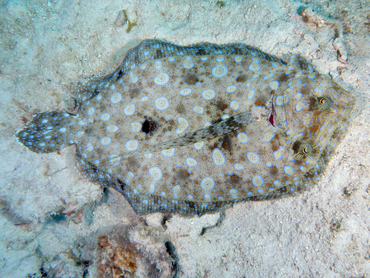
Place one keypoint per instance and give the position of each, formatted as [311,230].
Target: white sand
[46,48]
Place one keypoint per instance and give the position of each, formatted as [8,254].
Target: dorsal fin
[302,63]
[155,49]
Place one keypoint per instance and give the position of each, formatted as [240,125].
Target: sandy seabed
[56,224]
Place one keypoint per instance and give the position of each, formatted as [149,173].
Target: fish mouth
[73,106]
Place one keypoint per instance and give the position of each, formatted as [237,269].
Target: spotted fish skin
[191,129]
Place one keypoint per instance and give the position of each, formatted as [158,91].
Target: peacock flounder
[191,129]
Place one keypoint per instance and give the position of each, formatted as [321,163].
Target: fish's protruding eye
[319,103]
[302,148]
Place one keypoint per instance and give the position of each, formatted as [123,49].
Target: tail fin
[46,132]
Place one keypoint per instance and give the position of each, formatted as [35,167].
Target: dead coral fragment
[339,46]
[118,257]
[311,18]
[122,18]
[336,225]
[122,253]
[221,4]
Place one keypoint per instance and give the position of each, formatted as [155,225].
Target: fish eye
[302,148]
[323,103]
[320,104]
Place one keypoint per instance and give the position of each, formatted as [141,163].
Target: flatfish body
[191,129]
